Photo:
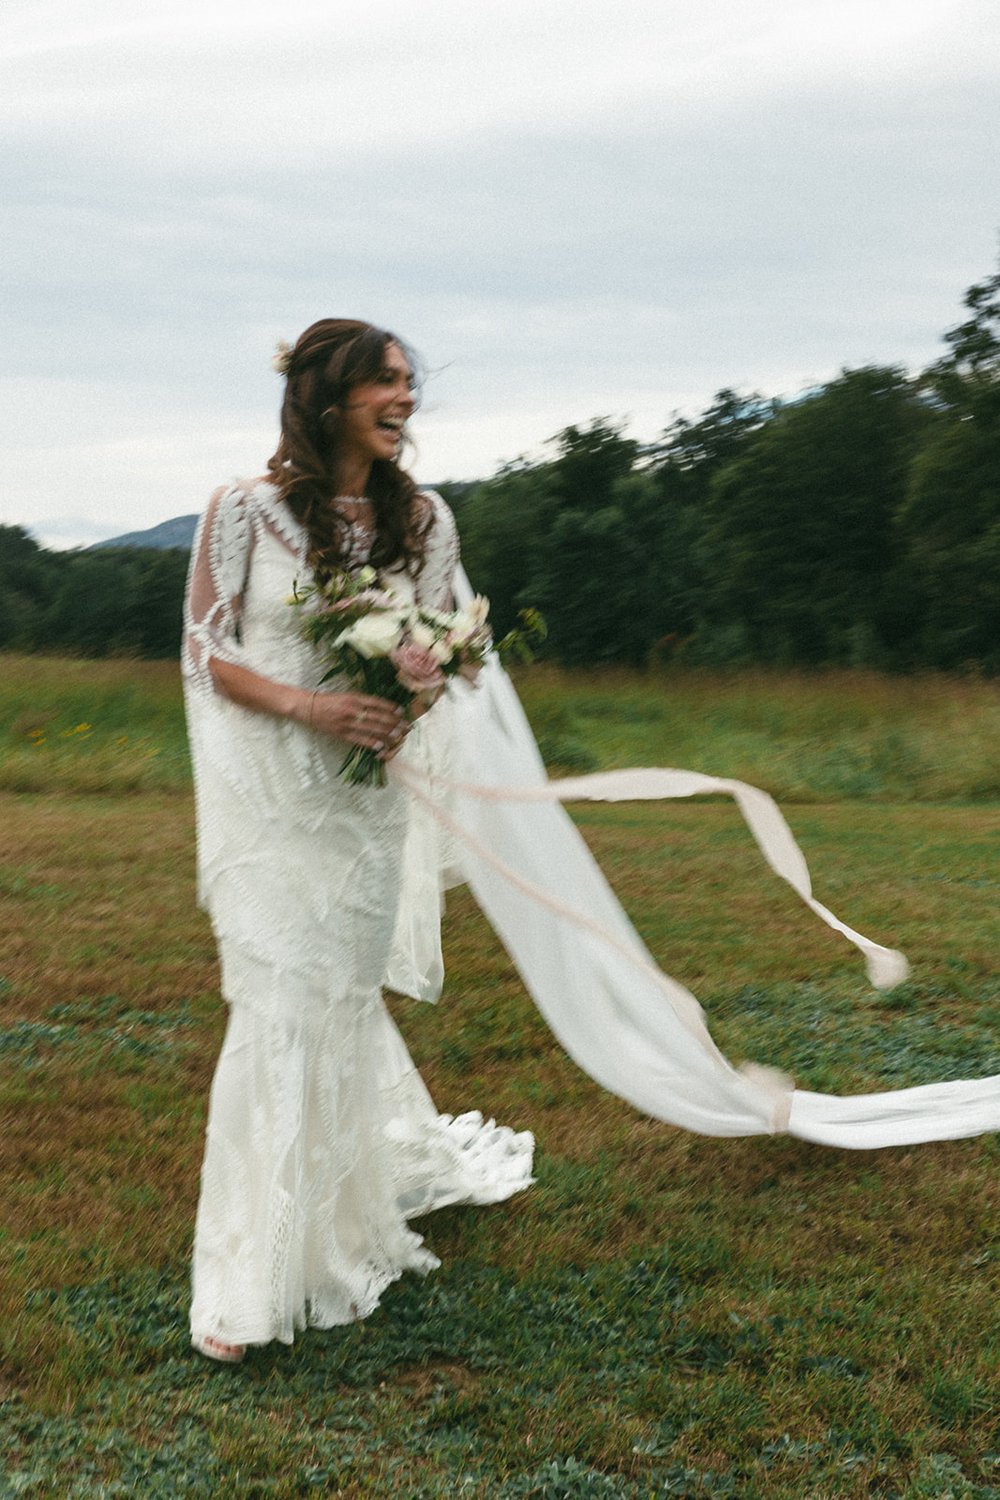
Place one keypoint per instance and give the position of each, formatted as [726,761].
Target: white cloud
[570,208]
[230,80]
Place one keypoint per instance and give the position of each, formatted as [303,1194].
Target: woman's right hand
[357,718]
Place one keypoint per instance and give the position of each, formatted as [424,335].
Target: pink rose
[416,668]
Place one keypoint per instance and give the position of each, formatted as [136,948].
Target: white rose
[422,635]
[428,640]
[375,634]
[466,622]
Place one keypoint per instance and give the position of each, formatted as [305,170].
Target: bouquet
[388,647]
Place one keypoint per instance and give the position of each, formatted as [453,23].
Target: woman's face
[372,418]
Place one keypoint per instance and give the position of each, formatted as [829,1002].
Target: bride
[322,1141]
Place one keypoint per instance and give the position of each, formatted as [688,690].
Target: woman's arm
[358,718]
[212,655]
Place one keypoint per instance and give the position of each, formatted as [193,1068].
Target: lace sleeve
[436,580]
[220,559]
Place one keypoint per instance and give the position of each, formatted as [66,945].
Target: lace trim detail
[435,581]
[220,564]
[280,519]
[230,555]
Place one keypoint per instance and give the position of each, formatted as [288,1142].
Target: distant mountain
[179,532]
[175,534]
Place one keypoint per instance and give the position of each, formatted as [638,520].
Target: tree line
[857,524]
[115,601]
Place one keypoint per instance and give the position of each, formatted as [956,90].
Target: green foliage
[26,582]
[794,534]
[589,462]
[521,643]
[800,530]
[502,524]
[692,453]
[950,527]
[108,602]
[117,603]
[967,379]
[678,564]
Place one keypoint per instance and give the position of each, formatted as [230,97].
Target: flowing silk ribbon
[886,966]
[600,990]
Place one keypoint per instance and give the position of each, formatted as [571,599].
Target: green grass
[660,1315]
[72,725]
[118,726]
[806,738]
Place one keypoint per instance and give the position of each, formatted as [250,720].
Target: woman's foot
[218,1349]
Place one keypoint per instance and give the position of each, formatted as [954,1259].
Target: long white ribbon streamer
[886,966]
[591,976]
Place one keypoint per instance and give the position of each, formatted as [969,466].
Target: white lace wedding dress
[322,1140]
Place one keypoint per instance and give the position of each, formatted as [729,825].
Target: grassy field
[823,737]
[662,1314]
[118,726]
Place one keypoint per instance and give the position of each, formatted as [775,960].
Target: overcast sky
[570,207]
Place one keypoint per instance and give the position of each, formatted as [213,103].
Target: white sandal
[218,1349]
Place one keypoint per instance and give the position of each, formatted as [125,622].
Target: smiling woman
[349,393]
[322,1140]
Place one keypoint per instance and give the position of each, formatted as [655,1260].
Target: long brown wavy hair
[328,361]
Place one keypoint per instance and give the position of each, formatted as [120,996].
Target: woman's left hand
[420,704]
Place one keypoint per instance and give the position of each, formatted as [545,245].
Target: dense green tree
[26,580]
[92,611]
[588,464]
[160,580]
[691,453]
[503,523]
[967,379]
[582,572]
[800,544]
[124,601]
[509,523]
[684,464]
[586,584]
[949,526]
[16,548]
